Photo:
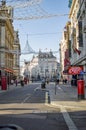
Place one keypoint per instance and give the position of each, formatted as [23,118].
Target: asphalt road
[25,106]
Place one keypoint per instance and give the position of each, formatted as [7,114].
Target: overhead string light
[28,10]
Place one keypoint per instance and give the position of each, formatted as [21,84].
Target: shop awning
[9,70]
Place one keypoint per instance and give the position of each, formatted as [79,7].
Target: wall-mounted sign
[83,72]
[73,70]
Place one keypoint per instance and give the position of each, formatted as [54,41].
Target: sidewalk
[66,95]
[73,110]
[10,87]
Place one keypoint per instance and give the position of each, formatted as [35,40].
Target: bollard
[81,93]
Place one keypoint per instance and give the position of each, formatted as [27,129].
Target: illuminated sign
[73,70]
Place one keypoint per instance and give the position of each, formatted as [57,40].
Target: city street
[43,64]
[26,107]
[34,108]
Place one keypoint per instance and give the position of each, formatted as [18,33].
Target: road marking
[59,88]
[38,88]
[66,116]
[67,119]
[26,99]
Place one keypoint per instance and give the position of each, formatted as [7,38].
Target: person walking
[56,84]
[56,81]
[22,82]
[16,82]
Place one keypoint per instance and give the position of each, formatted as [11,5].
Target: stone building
[73,43]
[7,39]
[17,50]
[43,65]
[77,17]
[65,51]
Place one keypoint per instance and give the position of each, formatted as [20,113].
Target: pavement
[8,88]
[65,97]
[73,109]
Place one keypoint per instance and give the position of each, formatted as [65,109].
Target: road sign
[83,72]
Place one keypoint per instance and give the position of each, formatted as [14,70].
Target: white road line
[59,88]
[67,119]
[26,99]
[66,116]
[37,88]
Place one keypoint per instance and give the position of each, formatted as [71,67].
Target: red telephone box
[3,83]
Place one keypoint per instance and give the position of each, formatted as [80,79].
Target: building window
[80,34]
[70,3]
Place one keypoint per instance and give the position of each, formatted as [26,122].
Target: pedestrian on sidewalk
[43,84]
[56,81]
[22,82]
[56,84]
[12,81]
[16,82]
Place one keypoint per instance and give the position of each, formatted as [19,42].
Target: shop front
[5,77]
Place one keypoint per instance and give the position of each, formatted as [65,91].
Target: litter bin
[10,127]
[81,92]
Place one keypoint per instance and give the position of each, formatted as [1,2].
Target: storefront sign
[73,70]
[83,72]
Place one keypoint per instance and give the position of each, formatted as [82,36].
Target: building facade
[75,43]
[17,50]
[77,16]
[43,65]
[7,44]
[47,64]
[65,51]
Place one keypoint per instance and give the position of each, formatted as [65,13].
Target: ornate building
[7,42]
[65,51]
[74,39]
[17,50]
[43,65]
[77,17]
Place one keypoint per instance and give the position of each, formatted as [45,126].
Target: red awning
[9,70]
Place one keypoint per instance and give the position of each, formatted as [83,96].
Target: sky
[46,33]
